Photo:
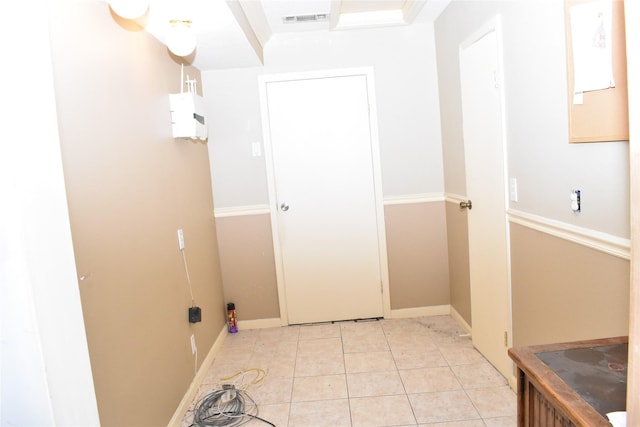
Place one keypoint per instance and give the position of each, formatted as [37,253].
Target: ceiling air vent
[315,17]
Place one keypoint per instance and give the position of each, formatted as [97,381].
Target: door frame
[495,25]
[263,81]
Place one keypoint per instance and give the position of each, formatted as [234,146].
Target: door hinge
[506,339]
[381,287]
[496,79]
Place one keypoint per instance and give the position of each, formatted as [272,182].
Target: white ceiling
[232,33]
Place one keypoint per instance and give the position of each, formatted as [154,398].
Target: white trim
[612,245]
[632,16]
[273,322]
[454,198]
[603,242]
[458,318]
[433,310]
[241,211]
[412,9]
[188,397]
[377,188]
[271,187]
[505,154]
[414,198]
[392,200]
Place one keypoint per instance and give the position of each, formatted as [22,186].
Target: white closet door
[487,221]
[327,224]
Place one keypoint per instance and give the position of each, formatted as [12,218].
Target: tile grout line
[404,387]
[346,380]
[293,380]
[440,334]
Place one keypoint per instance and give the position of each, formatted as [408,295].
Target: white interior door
[325,207]
[485,173]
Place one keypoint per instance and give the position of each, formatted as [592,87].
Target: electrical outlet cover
[195,314]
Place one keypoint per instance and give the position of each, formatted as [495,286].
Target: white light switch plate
[256,149]
[513,189]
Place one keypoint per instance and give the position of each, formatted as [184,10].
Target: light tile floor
[403,372]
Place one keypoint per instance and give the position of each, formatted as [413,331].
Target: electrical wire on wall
[230,404]
[194,311]
[186,270]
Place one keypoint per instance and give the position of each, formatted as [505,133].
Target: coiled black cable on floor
[227,407]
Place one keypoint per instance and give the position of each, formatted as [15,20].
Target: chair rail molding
[612,245]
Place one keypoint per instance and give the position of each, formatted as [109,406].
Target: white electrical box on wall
[187,116]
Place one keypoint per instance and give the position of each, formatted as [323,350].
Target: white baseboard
[458,318]
[434,310]
[274,322]
[185,403]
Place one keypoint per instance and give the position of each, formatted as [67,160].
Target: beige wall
[584,285]
[536,124]
[248,268]
[563,291]
[416,248]
[458,251]
[130,186]
[417,254]
[406,97]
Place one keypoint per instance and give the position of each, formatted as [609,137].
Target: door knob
[466,205]
[284,207]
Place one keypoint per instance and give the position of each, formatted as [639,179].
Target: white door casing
[485,158]
[321,148]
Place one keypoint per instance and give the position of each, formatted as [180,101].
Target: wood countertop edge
[552,386]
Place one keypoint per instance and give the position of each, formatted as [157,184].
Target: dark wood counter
[571,384]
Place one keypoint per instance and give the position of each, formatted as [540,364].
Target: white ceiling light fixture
[129,9]
[180,37]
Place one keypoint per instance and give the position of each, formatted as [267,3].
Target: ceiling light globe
[129,9]
[181,39]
